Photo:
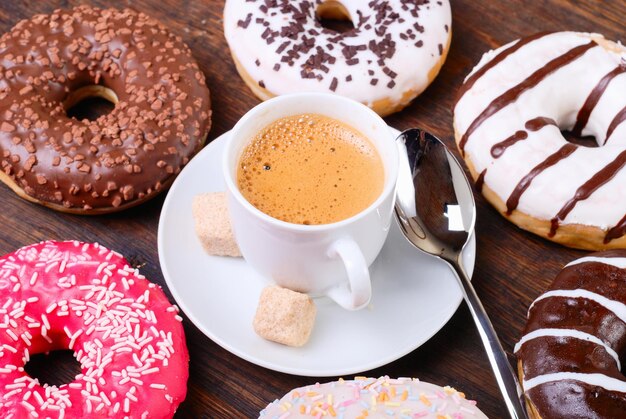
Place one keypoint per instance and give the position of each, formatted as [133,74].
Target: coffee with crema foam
[310,169]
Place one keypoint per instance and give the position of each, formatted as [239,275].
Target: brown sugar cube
[284,316]
[213,224]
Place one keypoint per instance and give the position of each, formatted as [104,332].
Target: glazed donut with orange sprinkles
[394,51]
[125,334]
[160,119]
[365,397]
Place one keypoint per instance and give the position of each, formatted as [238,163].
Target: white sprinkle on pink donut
[124,333]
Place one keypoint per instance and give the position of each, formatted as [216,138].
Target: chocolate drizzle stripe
[531,81]
[588,188]
[592,100]
[532,125]
[495,61]
[594,380]
[523,184]
[567,333]
[499,148]
[480,182]
[616,232]
[619,118]
[536,124]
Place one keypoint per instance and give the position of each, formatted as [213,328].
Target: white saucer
[414,295]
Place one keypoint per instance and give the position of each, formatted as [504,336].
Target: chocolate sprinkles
[160,120]
[298,45]
[333,85]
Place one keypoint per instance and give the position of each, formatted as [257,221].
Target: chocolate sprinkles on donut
[392,52]
[161,115]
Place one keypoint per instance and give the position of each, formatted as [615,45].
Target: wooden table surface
[512,266]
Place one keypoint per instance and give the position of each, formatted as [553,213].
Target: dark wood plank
[513,267]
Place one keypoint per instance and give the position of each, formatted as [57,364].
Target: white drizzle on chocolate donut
[598,380]
[617,262]
[391,51]
[570,333]
[573,340]
[508,119]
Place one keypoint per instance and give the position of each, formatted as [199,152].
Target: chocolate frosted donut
[160,119]
[394,51]
[574,342]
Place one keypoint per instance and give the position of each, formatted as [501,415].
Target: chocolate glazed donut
[160,119]
[573,350]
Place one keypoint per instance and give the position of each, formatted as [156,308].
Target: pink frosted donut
[124,333]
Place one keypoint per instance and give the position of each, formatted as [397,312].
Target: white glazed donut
[395,50]
[508,122]
[373,398]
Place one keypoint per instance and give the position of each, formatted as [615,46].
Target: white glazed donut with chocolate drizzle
[393,53]
[508,122]
[574,342]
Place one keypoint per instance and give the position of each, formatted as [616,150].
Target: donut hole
[332,15]
[587,141]
[54,368]
[90,102]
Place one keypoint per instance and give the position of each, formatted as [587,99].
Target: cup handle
[358,292]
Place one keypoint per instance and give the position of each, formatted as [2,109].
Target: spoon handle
[506,378]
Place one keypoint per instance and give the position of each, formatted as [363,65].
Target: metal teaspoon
[436,212]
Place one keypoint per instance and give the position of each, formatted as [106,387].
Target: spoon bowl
[436,212]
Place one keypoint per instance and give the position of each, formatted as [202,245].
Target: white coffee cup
[323,259]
